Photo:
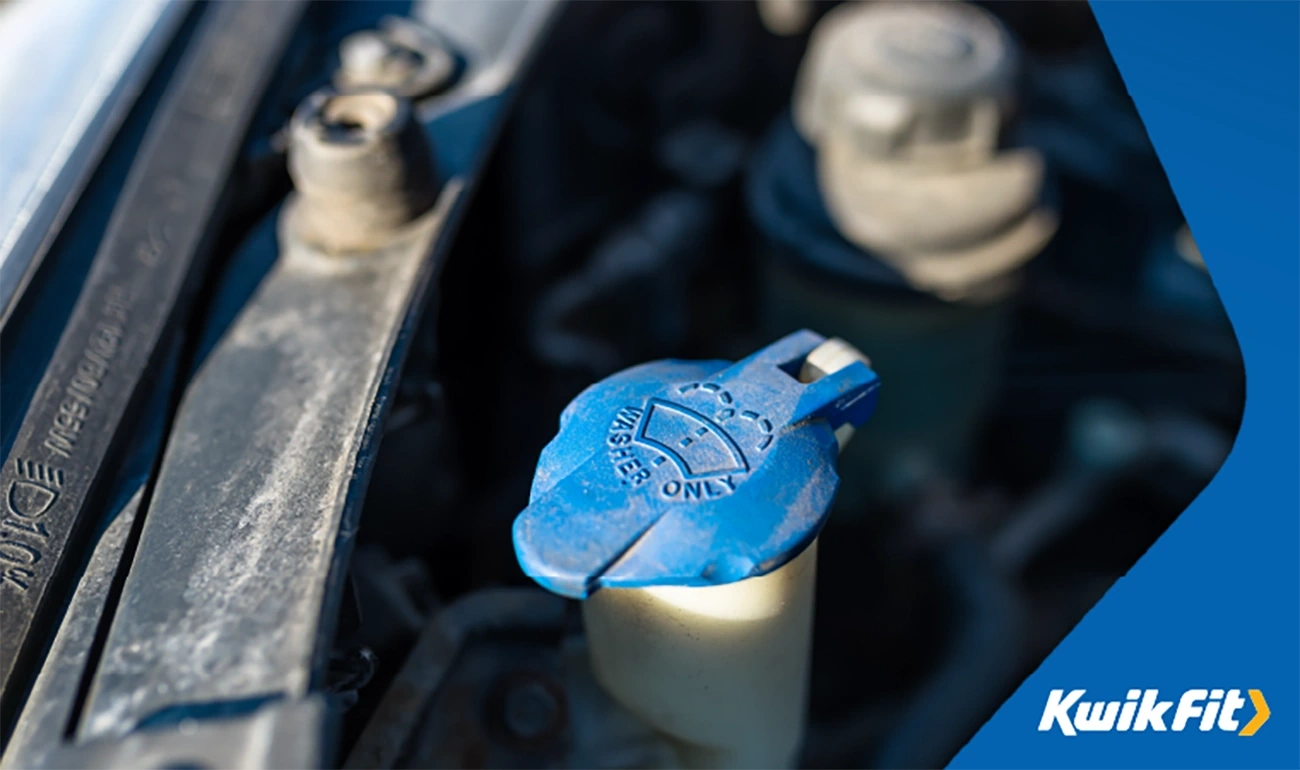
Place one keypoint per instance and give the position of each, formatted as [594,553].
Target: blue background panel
[1216,601]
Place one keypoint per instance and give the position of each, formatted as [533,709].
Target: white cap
[914,73]
[905,103]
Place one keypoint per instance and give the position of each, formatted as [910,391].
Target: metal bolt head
[362,167]
[401,57]
[354,118]
[368,56]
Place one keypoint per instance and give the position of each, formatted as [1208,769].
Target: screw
[362,168]
[530,709]
[370,57]
[401,57]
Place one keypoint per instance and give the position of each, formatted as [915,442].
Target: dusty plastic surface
[690,473]
[722,669]
[906,104]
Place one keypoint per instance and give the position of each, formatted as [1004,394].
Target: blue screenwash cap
[690,473]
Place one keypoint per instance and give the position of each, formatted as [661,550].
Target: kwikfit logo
[1142,710]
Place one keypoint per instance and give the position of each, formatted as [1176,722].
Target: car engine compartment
[278,376]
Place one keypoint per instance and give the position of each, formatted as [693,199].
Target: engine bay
[278,382]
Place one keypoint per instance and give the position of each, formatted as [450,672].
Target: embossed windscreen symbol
[696,445]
